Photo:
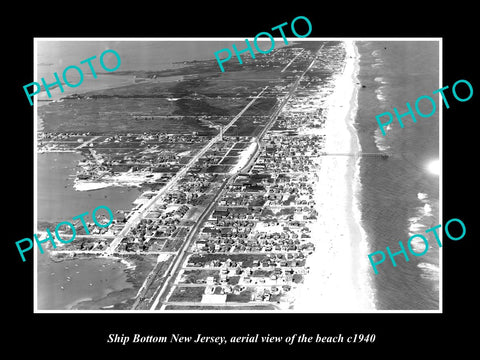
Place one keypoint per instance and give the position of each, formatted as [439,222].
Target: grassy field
[172,245]
[247,126]
[219,169]
[110,116]
[262,273]
[157,282]
[240,146]
[137,107]
[191,276]
[245,296]
[229,160]
[222,308]
[187,294]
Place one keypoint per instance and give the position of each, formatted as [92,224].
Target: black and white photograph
[262,187]
[217,180]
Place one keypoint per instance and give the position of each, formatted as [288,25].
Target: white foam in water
[381,80]
[339,278]
[381,140]
[418,245]
[424,211]
[427,209]
[422,196]
[430,272]
[380,95]
[363,243]
[415,226]
[378,63]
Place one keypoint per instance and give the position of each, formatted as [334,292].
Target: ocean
[400,194]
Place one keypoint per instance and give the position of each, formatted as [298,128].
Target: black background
[86,334]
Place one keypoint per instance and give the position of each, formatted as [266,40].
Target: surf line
[409,244]
[423,115]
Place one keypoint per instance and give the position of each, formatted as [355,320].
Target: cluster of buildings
[161,230]
[260,232]
[264,280]
[264,216]
[140,153]
[166,225]
[283,56]
[60,142]
[253,245]
[289,154]
[230,231]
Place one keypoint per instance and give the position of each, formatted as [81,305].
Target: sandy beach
[132,179]
[338,280]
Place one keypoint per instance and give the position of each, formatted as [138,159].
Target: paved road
[139,214]
[266,284]
[183,252]
[229,304]
[180,259]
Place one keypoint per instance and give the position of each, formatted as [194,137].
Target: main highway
[141,212]
[183,252]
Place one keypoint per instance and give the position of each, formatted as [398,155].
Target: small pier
[381,155]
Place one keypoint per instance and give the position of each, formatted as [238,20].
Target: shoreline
[334,282]
[114,295]
[338,281]
[103,82]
